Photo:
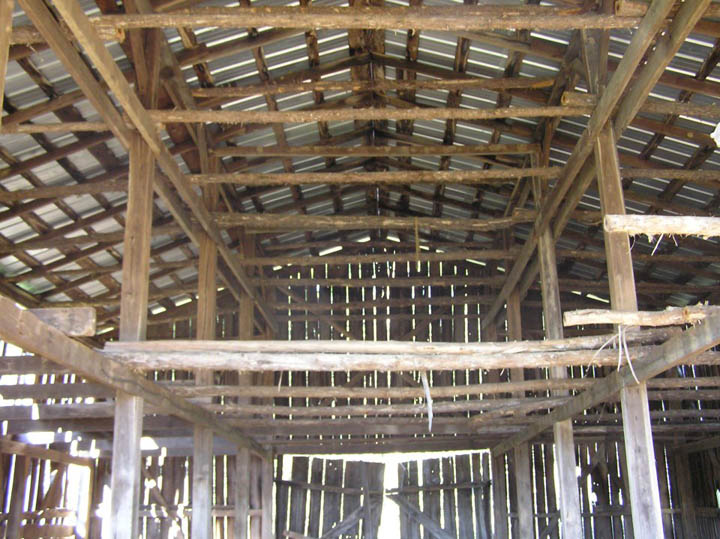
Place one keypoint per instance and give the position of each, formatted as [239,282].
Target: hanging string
[417,244]
[428,398]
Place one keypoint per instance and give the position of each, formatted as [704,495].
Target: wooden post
[127,431]
[246,309]
[521,453]
[6,9]
[640,456]
[202,501]
[17,501]
[565,465]
[267,497]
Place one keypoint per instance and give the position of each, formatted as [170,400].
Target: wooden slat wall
[315,511]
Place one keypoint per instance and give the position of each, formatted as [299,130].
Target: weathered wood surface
[677,350]
[74,321]
[364,114]
[466,177]
[654,225]
[672,316]
[467,17]
[26,331]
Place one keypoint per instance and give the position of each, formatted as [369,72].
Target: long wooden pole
[565,465]
[444,18]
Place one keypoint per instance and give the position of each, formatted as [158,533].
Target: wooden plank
[652,225]
[331,511]
[75,322]
[679,316]
[314,516]
[325,150]
[431,498]
[362,114]
[444,18]
[359,222]
[463,473]
[298,495]
[462,177]
[36,452]
[687,498]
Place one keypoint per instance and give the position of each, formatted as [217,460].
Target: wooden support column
[17,501]
[125,481]
[6,9]
[565,465]
[266,488]
[202,501]
[521,452]
[243,461]
[640,455]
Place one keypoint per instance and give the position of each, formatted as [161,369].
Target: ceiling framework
[384,186]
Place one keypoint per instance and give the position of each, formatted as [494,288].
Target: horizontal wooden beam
[443,18]
[272,356]
[376,151]
[683,348]
[274,88]
[364,114]
[25,330]
[73,321]
[364,178]
[34,451]
[655,225]
[677,316]
[267,221]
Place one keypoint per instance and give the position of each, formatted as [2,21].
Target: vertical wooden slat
[431,499]
[449,512]
[353,479]
[314,516]
[331,511]
[482,531]
[298,495]
[687,499]
[281,500]
[463,474]
[17,500]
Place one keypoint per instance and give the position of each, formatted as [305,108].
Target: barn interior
[376,268]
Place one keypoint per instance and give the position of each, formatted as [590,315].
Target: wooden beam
[652,225]
[365,114]
[672,316]
[6,9]
[393,177]
[74,321]
[26,331]
[268,221]
[444,18]
[274,88]
[33,451]
[570,519]
[678,350]
[375,151]
[192,355]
